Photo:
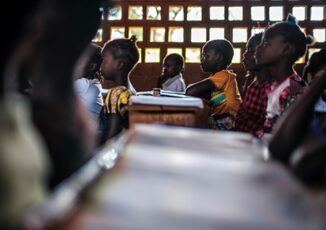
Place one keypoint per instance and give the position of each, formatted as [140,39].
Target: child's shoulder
[224,74]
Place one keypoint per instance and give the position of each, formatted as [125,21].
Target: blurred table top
[182,178]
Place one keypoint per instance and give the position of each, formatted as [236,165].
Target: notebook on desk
[180,100]
[164,93]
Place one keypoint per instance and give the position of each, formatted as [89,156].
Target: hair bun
[133,38]
[290,19]
[310,40]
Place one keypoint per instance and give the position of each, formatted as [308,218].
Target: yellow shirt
[226,98]
[116,100]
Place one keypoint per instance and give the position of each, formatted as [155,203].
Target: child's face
[170,68]
[270,50]
[249,60]
[109,66]
[210,60]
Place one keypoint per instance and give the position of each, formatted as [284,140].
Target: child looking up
[252,112]
[283,43]
[254,71]
[119,58]
[171,77]
[221,88]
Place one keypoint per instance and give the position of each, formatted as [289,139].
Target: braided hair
[291,32]
[125,49]
[94,53]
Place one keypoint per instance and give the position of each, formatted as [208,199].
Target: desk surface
[180,178]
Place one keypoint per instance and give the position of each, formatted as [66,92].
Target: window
[193,55]
[237,56]
[174,50]
[258,13]
[117,32]
[194,13]
[152,55]
[198,35]
[136,30]
[319,34]
[135,13]
[157,34]
[217,12]
[98,36]
[235,13]
[183,27]
[239,35]
[276,13]
[257,30]
[153,13]
[317,13]
[176,34]
[299,12]
[115,13]
[216,33]
[176,13]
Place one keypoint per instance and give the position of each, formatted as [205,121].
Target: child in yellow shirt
[221,88]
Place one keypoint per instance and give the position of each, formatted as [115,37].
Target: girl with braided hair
[120,56]
[282,45]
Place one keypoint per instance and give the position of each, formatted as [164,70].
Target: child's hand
[161,80]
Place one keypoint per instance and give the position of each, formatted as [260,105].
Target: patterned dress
[116,102]
[280,97]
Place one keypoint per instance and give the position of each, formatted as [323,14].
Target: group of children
[50,133]
[271,86]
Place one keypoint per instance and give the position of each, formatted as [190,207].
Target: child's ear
[181,68]
[219,57]
[289,49]
[120,64]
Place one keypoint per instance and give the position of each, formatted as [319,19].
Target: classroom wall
[144,76]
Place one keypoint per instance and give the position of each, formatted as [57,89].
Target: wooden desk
[179,178]
[190,115]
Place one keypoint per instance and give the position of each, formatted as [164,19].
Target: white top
[320,106]
[175,83]
[90,91]
[273,104]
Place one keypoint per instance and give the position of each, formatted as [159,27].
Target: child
[171,77]
[119,58]
[88,85]
[315,63]
[221,88]
[283,43]
[252,112]
[254,71]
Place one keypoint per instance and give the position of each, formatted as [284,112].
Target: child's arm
[201,89]
[114,125]
[293,125]
[161,80]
